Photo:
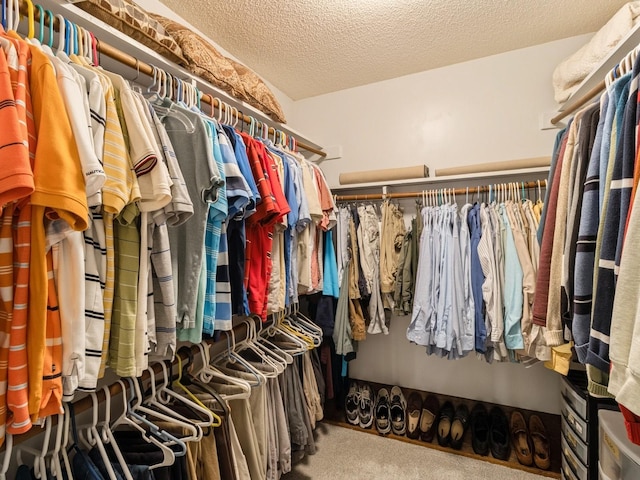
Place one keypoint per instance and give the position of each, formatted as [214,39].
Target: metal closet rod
[452,191]
[131,61]
[85,403]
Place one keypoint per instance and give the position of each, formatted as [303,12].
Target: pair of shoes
[452,425]
[352,404]
[390,411]
[422,417]
[359,405]
[524,439]
[490,432]
[383,412]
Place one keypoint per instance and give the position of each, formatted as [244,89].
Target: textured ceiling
[311,47]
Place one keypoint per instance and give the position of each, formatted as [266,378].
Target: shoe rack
[551,422]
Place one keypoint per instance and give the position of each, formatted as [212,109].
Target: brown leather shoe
[538,433]
[429,418]
[520,438]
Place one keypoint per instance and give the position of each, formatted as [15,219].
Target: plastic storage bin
[619,458]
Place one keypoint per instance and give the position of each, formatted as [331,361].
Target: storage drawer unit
[579,428]
[619,458]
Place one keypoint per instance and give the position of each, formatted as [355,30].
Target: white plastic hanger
[155,435]
[165,395]
[162,412]
[93,438]
[39,462]
[209,373]
[6,460]
[107,434]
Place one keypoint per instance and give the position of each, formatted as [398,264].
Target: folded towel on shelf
[573,70]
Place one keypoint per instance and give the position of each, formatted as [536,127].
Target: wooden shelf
[523,174]
[145,54]
[551,422]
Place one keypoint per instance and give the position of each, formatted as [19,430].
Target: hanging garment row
[589,241]
[130,221]
[467,277]
[247,413]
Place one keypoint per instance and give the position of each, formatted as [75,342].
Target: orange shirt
[59,193]
[18,420]
[16,178]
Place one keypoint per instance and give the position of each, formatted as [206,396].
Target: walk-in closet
[368,239]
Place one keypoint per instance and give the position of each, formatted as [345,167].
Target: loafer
[445,419]
[541,451]
[414,409]
[428,418]
[480,425]
[499,442]
[459,426]
[365,409]
[398,411]
[352,404]
[383,412]
[520,438]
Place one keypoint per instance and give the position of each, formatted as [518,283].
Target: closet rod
[583,101]
[454,191]
[85,403]
[142,67]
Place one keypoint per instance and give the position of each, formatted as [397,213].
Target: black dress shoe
[480,429]
[459,426]
[445,419]
[499,440]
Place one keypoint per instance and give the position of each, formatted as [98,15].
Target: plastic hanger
[159,437]
[93,438]
[213,418]
[56,466]
[16,15]
[3,16]
[263,340]
[165,413]
[39,462]
[209,372]
[195,431]
[174,113]
[230,356]
[8,439]
[165,395]
[107,434]
[269,367]
[65,440]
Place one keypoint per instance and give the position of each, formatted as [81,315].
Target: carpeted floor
[348,454]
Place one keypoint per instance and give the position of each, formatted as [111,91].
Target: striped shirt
[16,178]
[122,346]
[17,378]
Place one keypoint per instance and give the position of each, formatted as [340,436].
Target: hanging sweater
[614,223]
[554,335]
[544,268]
[586,140]
[587,232]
